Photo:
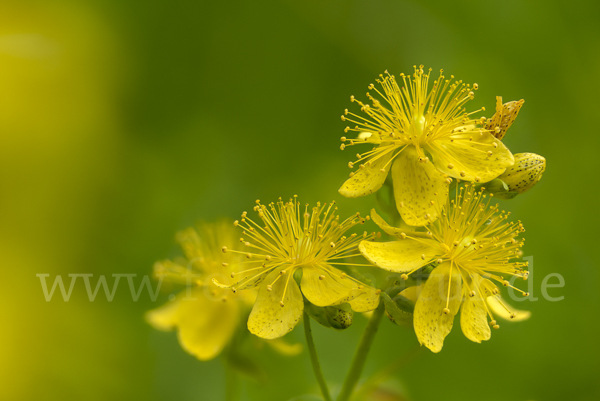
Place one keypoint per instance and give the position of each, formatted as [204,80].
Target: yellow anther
[446,311]
[224,249]
[321,277]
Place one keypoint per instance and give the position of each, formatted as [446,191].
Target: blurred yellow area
[59,137]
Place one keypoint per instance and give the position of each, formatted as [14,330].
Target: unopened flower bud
[525,173]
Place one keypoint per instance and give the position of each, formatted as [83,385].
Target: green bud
[338,317]
[525,173]
[399,309]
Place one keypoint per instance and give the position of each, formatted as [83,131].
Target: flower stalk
[314,359]
[360,356]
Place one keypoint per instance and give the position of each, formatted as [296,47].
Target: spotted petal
[368,179]
[400,256]
[466,156]
[473,315]
[419,188]
[432,325]
[268,318]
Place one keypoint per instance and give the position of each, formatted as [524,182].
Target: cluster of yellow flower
[451,247]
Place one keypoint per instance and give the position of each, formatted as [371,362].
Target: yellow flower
[471,246]
[424,137]
[291,239]
[205,315]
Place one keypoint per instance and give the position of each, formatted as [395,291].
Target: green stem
[361,354]
[314,359]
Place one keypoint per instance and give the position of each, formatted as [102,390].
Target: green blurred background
[125,121]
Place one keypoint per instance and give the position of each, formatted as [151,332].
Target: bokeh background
[125,121]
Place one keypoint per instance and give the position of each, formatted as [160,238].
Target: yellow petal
[495,303]
[285,348]
[244,281]
[419,188]
[191,245]
[268,318]
[400,256]
[432,325]
[412,293]
[473,316]
[367,299]
[324,285]
[205,325]
[368,179]
[165,317]
[466,156]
